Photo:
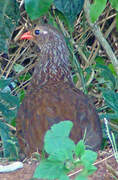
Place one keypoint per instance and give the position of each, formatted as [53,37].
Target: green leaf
[100,60]
[112,69]
[80,148]
[8,105]
[91,169]
[63,177]
[9,16]
[111,99]
[81,177]
[5,136]
[37,8]
[6,113]
[65,21]
[18,68]
[69,8]
[96,9]
[114,4]
[88,71]
[12,148]
[49,170]
[21,95]
[117,21]
[57,143]
[89,156]
[4,83]
[75,78]
[107,74]
[109,116]
[11,101]
[61,129]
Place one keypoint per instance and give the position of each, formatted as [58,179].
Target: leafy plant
[70,9]
[8,108]
[98,6]
[111,100]
[8,102]
[64,155]
[37,8]
[9,16]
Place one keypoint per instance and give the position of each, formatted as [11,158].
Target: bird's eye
[37,31]
[34,25]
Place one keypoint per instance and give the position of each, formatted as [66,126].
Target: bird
[52,96]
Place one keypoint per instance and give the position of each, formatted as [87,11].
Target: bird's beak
[27,35]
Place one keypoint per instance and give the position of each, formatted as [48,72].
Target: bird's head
[54,54]
[45,36]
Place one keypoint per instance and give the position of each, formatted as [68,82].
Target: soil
[106,164]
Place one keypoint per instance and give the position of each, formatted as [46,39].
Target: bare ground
[106,164]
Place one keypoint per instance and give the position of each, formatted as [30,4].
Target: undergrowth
[92,71]
[64,156]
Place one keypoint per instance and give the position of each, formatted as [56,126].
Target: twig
[98,162]
[111,170]
[98,34]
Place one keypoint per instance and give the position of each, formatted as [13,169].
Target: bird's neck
[53,65]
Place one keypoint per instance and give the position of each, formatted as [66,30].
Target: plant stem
[98,34]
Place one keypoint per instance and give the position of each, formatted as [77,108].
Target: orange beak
[27,35]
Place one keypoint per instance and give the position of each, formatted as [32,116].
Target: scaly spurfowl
[52,97]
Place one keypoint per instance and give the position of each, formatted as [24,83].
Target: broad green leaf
[89,156]
[37,8]
[107,74]
[4,83]
[63,177]
[69,8]
[108,78]
[91,169]
[81,177]
[80,148]
[114,4]
[49,170]
[57,143]
[65,21]
[9,16]
[10,100]
[96,9]
[61,129]
[6,113]
[111,99]
[13,148]
[100,60]
[18,68]
[8,105]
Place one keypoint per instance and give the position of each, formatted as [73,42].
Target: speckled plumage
[52,97]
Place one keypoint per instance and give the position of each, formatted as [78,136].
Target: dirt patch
[25,173]
[106,164]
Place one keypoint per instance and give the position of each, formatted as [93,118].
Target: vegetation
[91,36]
[66,156]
